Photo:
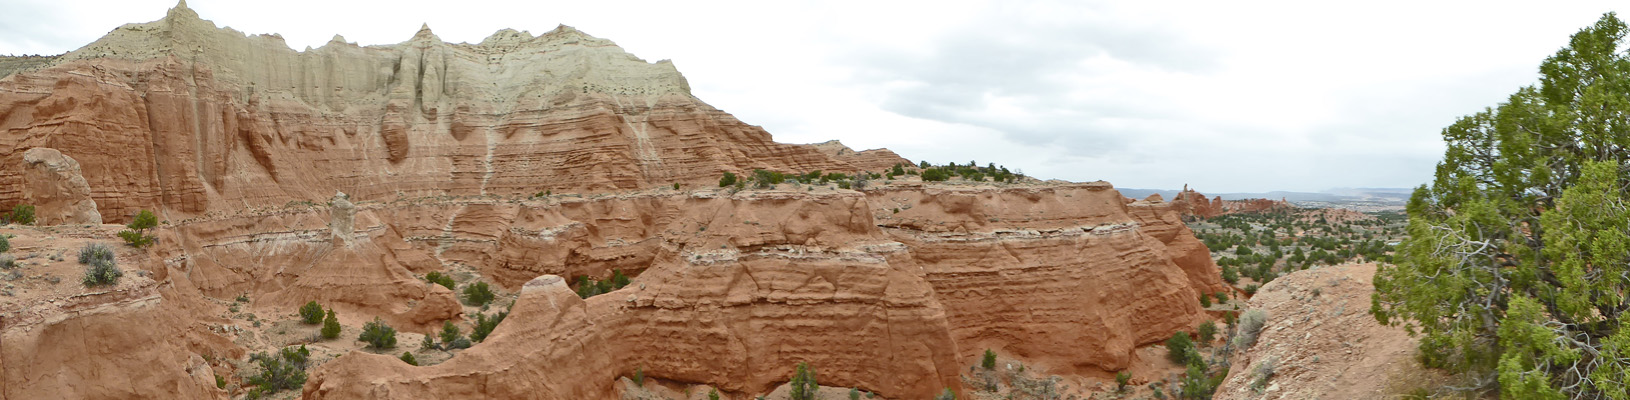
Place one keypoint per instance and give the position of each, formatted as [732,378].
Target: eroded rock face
[241,143]
[179,115]
[54,185]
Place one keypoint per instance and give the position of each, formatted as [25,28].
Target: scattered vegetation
[285,371]
[1208,333]
[452,338]
[1179,347]
[1262,373]
[5,243]
[137,235]
[478,294]
[439,278]
[728,180]
[378,335]
[331,326]
[101,270]
[311,313]
[589,287]
[803,382]
[484,326]
[1250,324]
[22,214]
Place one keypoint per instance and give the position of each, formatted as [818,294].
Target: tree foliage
[331,325]
[803,382]
[1515,271]
[22,214]
[137,235]
[311,313]
[378,334]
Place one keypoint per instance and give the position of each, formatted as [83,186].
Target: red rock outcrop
[185,117]
[1191,203]
[56,189]
[241,144]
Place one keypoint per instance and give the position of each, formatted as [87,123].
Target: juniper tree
[1515,271]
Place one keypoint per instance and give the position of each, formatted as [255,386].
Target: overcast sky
[1227,96]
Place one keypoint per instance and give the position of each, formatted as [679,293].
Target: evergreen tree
[1515,267]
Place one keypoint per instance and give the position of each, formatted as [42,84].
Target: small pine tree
[449,334]
[311,313]
[1208,332]
[639,376]
[137,234]
[803,382]
[378,334]
[729,179]
[1205,301]
[713,394]
[1121,380]
[478,294]
[331,326]
[407,357]
[1179,347]
[989,362]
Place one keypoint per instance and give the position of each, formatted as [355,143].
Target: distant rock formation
[1193,204]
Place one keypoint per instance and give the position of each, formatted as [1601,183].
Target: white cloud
[1226,96]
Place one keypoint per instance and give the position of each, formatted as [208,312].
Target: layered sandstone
[343,174]
[54,185]
[182,116]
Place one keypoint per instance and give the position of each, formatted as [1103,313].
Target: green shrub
[439,278]
[95,251]
[729,179]
[478,294]
[713,394]
[1121,380]
[1205,300]
[1179,347]
[1222,297]
[102,273]
[803,382]
[1250,290]
[449,334]
[331,326]
[285,372]
[22,214]
[989,361]
[935,175]
[639,376]
[484,326]
[311,313]
[947,394]
[407,357]
[220,383]
[378,334]
[137,234]
[1208,332]
[854,394]
[5,244]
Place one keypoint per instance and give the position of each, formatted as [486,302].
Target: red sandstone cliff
[240,144]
